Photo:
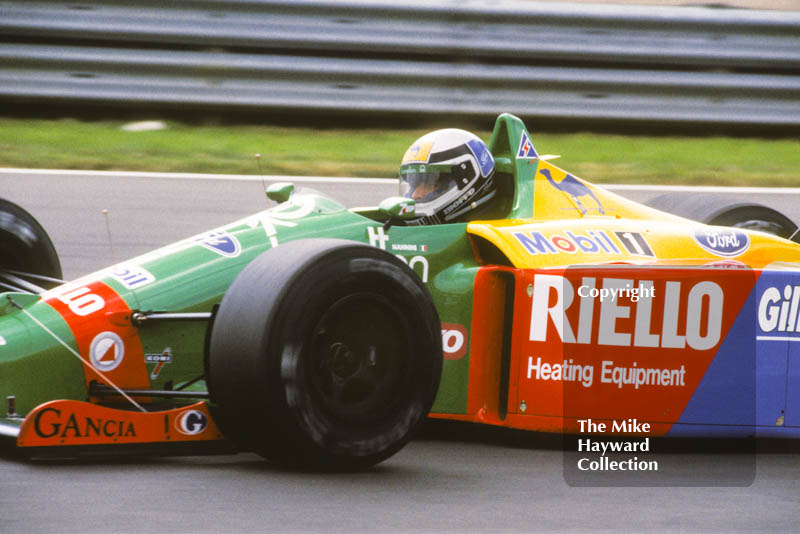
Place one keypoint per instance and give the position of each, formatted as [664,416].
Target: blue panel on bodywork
[727,393]
[767,327]
[779,339]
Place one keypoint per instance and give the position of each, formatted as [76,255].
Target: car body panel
[721,327]
[76,423]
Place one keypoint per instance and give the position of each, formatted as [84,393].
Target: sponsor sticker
[635,243]
[526,150]
[485,159]
[70,422]
[81,301]
[191,422]
[407,209]
[160,360]
[778,316]
[131,276]
[576,188]
[590,242]
[417,261]
[724,242]
[418,153]
[693,320]
[454,341]
[53,423]
[106,351]
[621,354]
[221,242]
[378,238]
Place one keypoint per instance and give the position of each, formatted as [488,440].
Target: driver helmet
[448,173]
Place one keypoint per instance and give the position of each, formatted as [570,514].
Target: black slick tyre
[324,354]
[24,244]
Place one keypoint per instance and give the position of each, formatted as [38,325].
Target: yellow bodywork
[566,208]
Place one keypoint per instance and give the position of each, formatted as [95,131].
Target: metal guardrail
[360,57]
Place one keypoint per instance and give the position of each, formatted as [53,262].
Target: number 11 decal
[635,243]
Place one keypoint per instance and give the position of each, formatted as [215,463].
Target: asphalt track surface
[450,479]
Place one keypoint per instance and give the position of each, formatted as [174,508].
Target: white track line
[197,176]
[371,181]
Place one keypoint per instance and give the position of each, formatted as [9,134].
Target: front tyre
[25,245]
[325,354]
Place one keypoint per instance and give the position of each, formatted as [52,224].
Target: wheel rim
[358,358]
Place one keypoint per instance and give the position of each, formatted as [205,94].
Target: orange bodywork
[671,337]
[69,422]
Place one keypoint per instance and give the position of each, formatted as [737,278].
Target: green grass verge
[71,144]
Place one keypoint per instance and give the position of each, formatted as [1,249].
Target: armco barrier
[576,61]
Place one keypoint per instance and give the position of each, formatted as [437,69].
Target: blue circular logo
[724,242]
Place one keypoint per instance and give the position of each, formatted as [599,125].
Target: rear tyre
[712,210]
[24,244]
[324,354]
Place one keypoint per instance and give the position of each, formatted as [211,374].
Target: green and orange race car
[321,337]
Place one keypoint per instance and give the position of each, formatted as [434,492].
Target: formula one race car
[321,337]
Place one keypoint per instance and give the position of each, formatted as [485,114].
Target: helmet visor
[425,182]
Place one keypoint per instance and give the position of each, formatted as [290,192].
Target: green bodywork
[194,274]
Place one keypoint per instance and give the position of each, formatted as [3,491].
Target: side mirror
[280,191]
[399,208]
